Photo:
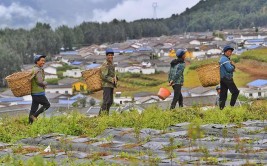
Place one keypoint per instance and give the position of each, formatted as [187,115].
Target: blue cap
[109,51]
[37,58]
[226,48]
[180,53]
[218,87]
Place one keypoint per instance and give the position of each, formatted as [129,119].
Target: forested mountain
[17,46]
[220,14]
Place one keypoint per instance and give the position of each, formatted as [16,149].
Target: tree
[8,57]
[67,37]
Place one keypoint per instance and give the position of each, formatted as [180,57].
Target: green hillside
[220,14]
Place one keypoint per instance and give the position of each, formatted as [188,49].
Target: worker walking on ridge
[227,69]
[38,89]
[176,77]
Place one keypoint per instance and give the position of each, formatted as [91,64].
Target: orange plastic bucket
[163,93]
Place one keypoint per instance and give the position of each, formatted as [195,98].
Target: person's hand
[233,64]
[170,83]
[114,80]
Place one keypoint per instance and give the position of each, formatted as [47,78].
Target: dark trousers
[178,97]
[36,100]
[107,100]
[225,85]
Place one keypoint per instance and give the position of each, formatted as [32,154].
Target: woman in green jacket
[176,77]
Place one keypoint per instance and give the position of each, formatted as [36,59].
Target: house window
[250,95]
[66,92]
[259,94]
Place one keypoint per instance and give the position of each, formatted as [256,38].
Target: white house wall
[122,100]
[60,91]
[254,95]
[214,51]
[211,93]
[195,42]
[50,70]
[56,65]
[148,71]
[51,76]
[198,53]
[120,69]
[73,73]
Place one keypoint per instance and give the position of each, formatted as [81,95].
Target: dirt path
[258,70]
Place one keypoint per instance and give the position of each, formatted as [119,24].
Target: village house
[50,76]
[201,91]
[76,73]
[54,64]
[256,89]
[147,99]
[162,66]
[148,70]
[118,99]
[50,70]
[140,57]
[61,89]
[67,81]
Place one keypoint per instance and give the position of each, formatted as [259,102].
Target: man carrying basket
[109,82]
[226,77]
[38,89]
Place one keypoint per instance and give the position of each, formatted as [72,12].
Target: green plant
[170,149]
[53,81]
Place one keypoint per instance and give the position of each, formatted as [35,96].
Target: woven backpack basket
[93,79]
[209,75]
[20,83]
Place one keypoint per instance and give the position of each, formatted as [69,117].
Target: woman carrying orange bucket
[176,77]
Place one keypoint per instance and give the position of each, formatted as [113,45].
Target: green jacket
[176,73]
[107,74]
[38,83]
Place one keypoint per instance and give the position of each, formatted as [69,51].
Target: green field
[134,85]
[258,55]
[130,84]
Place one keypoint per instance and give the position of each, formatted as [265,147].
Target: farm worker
[226,77]
[38,89]
[109,82]
[176,77]
[218,89]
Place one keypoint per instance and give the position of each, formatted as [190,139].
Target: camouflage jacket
[176,71]
[107,74]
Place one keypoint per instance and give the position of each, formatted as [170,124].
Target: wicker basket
[209,75]
[20,83]
[93,79]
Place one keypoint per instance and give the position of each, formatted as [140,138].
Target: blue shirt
[226,68]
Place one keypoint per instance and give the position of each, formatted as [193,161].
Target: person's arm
[39,79]
[227,65]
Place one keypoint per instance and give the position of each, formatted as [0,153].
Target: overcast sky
[25,13]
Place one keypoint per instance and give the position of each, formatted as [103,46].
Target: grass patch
[242,78]
[257,54]
[191,78]
[16,128]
